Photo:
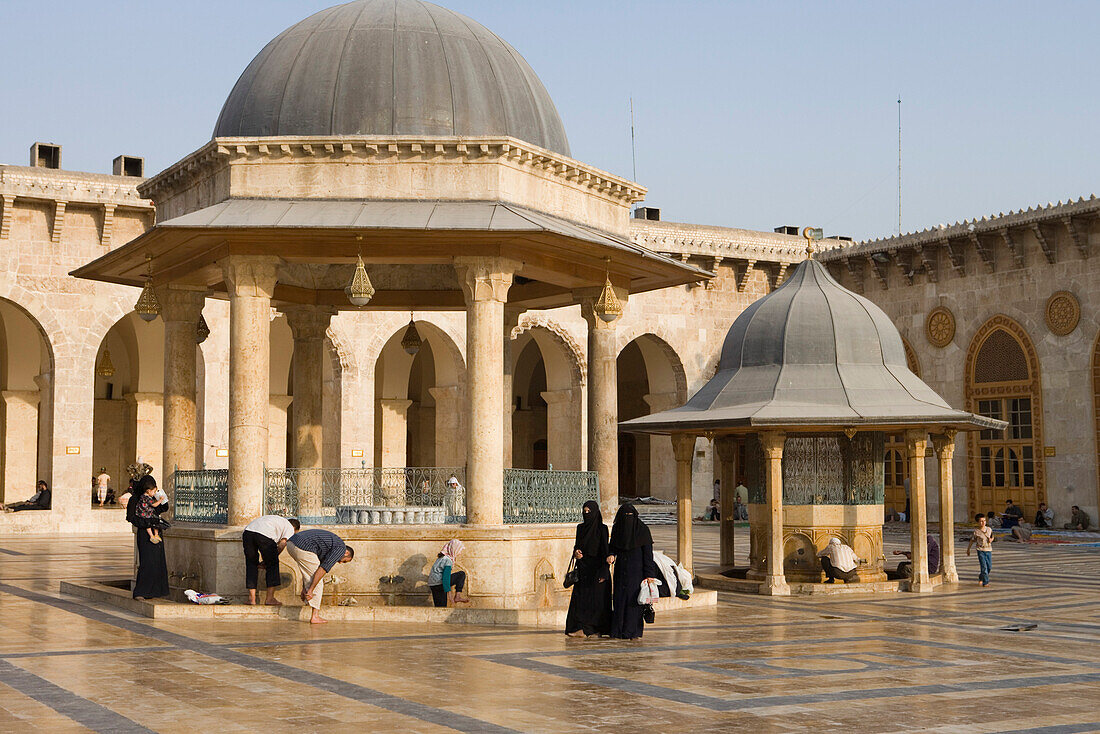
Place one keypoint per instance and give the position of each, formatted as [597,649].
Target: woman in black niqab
[152,571]
[632,553]
[590,604]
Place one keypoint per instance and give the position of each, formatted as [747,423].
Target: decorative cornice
[388,149]
[717,243]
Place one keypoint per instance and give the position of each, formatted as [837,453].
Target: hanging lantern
[359,291]
[105,368]
[411,341]
[607,305]
[147,306]
[202,330]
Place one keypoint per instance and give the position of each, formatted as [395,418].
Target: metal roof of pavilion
[811,354]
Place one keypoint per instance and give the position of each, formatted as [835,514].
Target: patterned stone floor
[885,663]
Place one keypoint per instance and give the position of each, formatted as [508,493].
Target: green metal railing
[201,496]
[535,496]
[367,496]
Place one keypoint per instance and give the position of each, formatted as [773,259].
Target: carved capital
[250,275]
[308,323]
[181,303]
[944,443]
[772,441]
[916,443]
[725,446]
[485,278]
[683,447]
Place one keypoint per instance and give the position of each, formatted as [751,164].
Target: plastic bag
[198,598]
[648,593]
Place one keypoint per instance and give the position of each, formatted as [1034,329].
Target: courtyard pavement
[893,662]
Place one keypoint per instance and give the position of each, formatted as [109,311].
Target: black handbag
[572,575]
[647,613]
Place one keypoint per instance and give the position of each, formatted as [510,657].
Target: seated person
[442,577]
[1020,533]
[991,519]
[1044,518]
[839,561]
[712,512]
[1012,515]
[40,500]
[905,568]
[1078,519]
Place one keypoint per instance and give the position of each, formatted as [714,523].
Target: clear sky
[747,114]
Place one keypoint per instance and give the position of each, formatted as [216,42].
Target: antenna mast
[899,164]
[633,153]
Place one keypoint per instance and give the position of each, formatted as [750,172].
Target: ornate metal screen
[367,496]
[201,496]
[822,469]
[535,496]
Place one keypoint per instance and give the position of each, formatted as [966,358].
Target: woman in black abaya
[632,553]
[590,604]
[152,573]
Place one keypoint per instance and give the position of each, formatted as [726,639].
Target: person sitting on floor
[442,576]
[905,568]
[1078,519]
[1012,515]
[712,512]
[839,561]
[40,500]
[1044,518]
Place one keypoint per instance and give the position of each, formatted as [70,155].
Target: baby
[150,518]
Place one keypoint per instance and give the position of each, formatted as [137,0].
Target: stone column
[775,584]
[726,448]
[147,422]
[945,448]
[250,283]
[561,428]
[181,308]
[485,283]
[20,437]
[277,409]
[308,326]
[603,398]
[45,425]
[916,442]
[683,447]
[511,321]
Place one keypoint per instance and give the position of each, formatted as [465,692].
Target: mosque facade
[999,316]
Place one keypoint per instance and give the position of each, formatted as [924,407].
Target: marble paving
[887,663]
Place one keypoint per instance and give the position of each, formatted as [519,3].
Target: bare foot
[251,602]
[578,633]
[273,603]
[461,599]
[317,619]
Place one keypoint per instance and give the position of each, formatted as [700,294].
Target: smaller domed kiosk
[811,380]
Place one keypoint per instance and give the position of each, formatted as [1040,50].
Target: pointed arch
[911,360]
[1002,380]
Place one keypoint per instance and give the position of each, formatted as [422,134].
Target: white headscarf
[452,548]
[841,556]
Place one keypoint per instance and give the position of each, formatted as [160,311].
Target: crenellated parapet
[1043,235]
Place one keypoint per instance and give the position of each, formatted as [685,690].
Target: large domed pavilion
[812,377]
[398,156]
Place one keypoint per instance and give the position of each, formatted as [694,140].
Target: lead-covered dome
[811,353]
[391,67]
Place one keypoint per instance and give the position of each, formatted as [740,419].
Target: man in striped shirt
[316,552]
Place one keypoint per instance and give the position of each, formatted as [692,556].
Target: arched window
[895,473]
[1002,382]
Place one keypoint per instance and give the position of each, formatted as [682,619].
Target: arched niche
[1002,380]
[546,399]
[26,403]
[651,379]
[419,401]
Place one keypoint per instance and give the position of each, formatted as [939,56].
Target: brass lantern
[607,305]
[411,341]
[105,368]
[147,306]
[359,291]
